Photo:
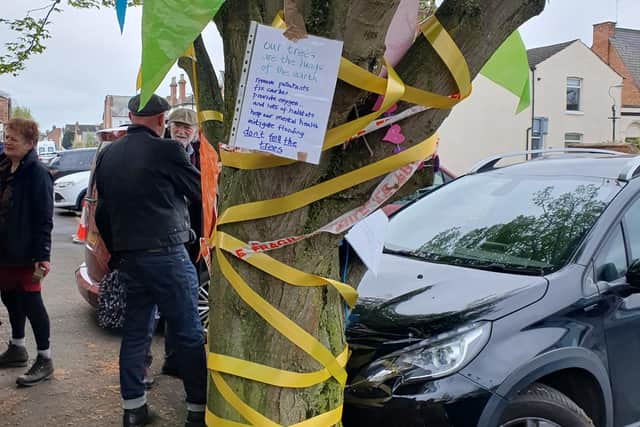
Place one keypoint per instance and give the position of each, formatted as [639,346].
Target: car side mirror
[609,272]
[633,274]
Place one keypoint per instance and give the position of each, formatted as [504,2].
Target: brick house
[116,107]
[55,135]
[116,111]
[620,49]
[5,112]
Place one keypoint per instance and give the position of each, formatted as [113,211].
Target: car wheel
[203,305]
[543,406]
[81,196]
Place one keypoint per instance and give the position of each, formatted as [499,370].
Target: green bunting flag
[168,27]
[509,68]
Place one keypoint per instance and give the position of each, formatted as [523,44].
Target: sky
[87,58]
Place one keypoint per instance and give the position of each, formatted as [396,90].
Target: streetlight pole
[613,112]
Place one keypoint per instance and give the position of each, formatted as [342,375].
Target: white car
[69,190]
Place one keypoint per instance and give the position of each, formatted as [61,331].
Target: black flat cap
[155,105]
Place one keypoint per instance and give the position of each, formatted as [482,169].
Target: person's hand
[43,266]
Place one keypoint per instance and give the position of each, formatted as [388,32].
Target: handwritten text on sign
[288,95]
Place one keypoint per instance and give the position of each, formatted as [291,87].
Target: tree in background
[21,112]
[478,27]
[67,140]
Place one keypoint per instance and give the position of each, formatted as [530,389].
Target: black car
[71,161]
[506,298]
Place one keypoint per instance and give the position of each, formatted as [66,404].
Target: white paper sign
[285,94]
[367,239]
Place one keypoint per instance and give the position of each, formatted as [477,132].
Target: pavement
[84,390]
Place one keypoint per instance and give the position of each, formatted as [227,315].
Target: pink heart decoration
[378,104]
[394,136]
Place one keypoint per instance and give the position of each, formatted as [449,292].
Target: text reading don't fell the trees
[287,99]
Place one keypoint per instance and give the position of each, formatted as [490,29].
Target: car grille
[58,197]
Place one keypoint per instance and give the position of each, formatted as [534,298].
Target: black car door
[622,315]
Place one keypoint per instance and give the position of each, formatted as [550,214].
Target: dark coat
[143,184]
[30,218]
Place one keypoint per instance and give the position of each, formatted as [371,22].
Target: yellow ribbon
[210,115]
[327,419]
[267,374]
[281,205]
[283,272]
[394,90]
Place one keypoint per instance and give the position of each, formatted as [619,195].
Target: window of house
[572,138]
[574,87]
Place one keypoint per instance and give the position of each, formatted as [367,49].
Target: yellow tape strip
[210,115]
[328,419]
[283,272]
[304,340]
[281,205]
[267,374]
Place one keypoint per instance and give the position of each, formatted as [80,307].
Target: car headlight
[63,185]
[432,358]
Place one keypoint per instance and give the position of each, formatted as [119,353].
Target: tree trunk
[478,27]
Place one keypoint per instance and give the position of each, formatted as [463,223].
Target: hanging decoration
[121,11]
[166,32]
[509,68]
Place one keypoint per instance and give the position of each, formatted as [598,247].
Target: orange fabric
[209,170]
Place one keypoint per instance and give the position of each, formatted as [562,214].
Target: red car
[90,273]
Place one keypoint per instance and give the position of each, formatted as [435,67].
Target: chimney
[173,97]
[108,119]
[181,90]
[601,34]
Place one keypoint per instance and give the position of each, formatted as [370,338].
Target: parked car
[95,267]
[70,190]
[71,161]
[46,151]
[506,298]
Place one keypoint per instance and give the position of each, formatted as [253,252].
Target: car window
[632,228]
[84,163]
[532,224]
[76,160]
[611,262]
[438,179]
[69,161]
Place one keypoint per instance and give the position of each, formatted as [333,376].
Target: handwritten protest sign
[285,94]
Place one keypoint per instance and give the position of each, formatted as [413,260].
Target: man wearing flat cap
[144,183]
[183,125]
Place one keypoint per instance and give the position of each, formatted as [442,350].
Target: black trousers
[27,305]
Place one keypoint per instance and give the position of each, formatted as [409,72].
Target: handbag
[112,302]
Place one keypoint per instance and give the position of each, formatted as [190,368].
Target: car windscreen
[500,222]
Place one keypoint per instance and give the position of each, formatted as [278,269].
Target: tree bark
[478,27]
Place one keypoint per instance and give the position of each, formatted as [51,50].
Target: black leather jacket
[143,184]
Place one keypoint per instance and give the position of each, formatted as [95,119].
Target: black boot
[40,371]
[195,419]
[15,356]
[136,417]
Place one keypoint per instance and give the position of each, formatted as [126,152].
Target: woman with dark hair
[26,220]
